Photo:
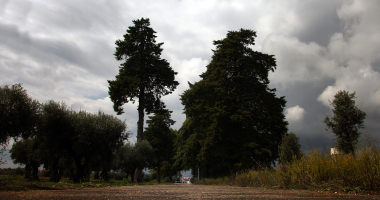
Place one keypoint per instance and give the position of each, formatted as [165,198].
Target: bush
[147,177]
[166,180]
[19,171]
[16,171]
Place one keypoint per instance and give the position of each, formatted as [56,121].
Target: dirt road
[178,192]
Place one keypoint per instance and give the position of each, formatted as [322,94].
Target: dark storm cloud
[319,21]
[51,52]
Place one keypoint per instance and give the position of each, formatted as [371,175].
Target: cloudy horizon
[63,50]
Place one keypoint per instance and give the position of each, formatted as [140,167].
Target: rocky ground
[179,191]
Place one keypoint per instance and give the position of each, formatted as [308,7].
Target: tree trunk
[140,129]
[35,166]
[140,123]
[96,175]
[86,171]
[54,176]
[72,175]
[132,173]
[138,175]
[60,172]
[104,175]
[127,174]
[28,171]
[159,174]
[79,171]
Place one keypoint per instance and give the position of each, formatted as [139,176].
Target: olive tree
[19,113]
[26,152]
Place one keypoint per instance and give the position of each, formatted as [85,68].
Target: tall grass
[358,172]
[346,171]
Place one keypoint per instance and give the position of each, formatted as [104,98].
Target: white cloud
[295,114]
[364,81]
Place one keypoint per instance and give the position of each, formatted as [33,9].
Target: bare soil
[178,191]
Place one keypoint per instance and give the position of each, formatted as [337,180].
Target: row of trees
[55,136]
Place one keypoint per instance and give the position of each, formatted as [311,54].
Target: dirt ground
[180,191]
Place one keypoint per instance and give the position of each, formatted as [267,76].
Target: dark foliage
[234,116]
[161,138]
[143,75]
[19,113]
[289,148]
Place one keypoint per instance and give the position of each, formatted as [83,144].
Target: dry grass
[352,173]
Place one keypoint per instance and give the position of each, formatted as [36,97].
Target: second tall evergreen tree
[238,119]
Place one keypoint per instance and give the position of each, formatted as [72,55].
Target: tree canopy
[346,121]
[233,114]
[27,152]
[143,75]
[19,113]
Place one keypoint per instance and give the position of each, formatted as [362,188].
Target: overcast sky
[63,50]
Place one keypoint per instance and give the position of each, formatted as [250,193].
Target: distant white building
[335,151]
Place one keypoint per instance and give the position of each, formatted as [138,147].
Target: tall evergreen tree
[346,121]
[234,113]
[143,75]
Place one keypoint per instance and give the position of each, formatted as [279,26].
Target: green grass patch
[18,183]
